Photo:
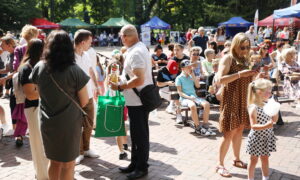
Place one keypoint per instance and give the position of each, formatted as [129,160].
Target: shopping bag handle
[118,94]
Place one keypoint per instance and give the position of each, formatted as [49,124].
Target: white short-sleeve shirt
[137,56]
[84,62]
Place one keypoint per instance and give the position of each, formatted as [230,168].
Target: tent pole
[273,31]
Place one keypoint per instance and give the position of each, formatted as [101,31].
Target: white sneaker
[170,109]
[90,153]
[79,159]
[10,132]
[178,119]
[211,132]
[5,128]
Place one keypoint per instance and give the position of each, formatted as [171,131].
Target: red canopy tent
[280,22]
[42,23]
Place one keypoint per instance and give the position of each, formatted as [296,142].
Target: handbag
[110,116]
[149,95]
[86,119]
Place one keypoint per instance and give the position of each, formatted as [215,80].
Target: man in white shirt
[267,32]
[83,41]
[251,35]
[138,67]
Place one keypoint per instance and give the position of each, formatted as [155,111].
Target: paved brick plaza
[176,153]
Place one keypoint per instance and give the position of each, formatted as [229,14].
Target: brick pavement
[176,153]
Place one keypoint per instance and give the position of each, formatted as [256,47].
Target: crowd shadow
[157,147]
[9,152]
[101,170]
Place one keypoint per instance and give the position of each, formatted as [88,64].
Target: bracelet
[239,75]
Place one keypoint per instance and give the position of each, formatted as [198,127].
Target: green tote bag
[110,120]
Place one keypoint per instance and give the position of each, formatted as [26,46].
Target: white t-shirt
[84,62]
[267,33]
[252,36]
[137,56]
[93,57]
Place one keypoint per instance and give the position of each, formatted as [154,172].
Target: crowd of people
[60,77]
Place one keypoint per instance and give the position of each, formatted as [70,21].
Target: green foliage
[15,13]
[181,14]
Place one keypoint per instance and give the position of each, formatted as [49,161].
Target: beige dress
[233,109]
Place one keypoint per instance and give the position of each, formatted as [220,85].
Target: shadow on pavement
[102,170]
[9,152]
[157,147]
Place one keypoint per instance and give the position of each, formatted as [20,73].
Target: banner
[256,21]
[146,35]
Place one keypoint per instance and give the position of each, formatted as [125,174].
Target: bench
[201,92]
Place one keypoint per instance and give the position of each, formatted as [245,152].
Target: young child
[186,83]
[117,58]
[100,76]
[261,139]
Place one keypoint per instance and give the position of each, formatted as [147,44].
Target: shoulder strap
[134,89]
[61,89]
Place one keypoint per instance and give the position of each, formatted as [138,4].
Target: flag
[293,2]
[256,21]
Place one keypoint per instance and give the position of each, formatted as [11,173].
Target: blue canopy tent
[235,25]
[156,23]
[293,11]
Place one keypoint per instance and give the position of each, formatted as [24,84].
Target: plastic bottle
[114,73]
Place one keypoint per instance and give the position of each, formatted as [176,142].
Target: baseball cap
[172,67]
[185,63]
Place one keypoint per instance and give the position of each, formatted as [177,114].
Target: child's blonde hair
[259,84]
[255,56]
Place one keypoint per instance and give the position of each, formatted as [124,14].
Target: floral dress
[291,88]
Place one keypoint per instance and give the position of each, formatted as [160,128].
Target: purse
[149,95]
[86,122]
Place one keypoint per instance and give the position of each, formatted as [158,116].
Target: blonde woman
[234,75]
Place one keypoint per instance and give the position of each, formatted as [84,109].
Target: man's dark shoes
[137,174]
[128,169]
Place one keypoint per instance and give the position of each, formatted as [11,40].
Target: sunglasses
[245,47]
[265,48]
[196,54]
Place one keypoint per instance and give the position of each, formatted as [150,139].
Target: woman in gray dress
[61,120]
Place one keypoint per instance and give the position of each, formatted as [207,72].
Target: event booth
[280,22]
[75,23]
[42,23]
[156,23]
[293,11]
[235,25]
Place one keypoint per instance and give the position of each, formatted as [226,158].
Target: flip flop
[223,171]
[240,164]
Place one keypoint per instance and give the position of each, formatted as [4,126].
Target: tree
[16,13]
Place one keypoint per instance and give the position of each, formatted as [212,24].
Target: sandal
[240,164]
[223,171]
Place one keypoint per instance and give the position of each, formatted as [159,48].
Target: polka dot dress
[261,143]
[233,108]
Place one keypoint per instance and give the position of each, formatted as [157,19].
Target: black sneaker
[202,131]
[123,155]
[19,142]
